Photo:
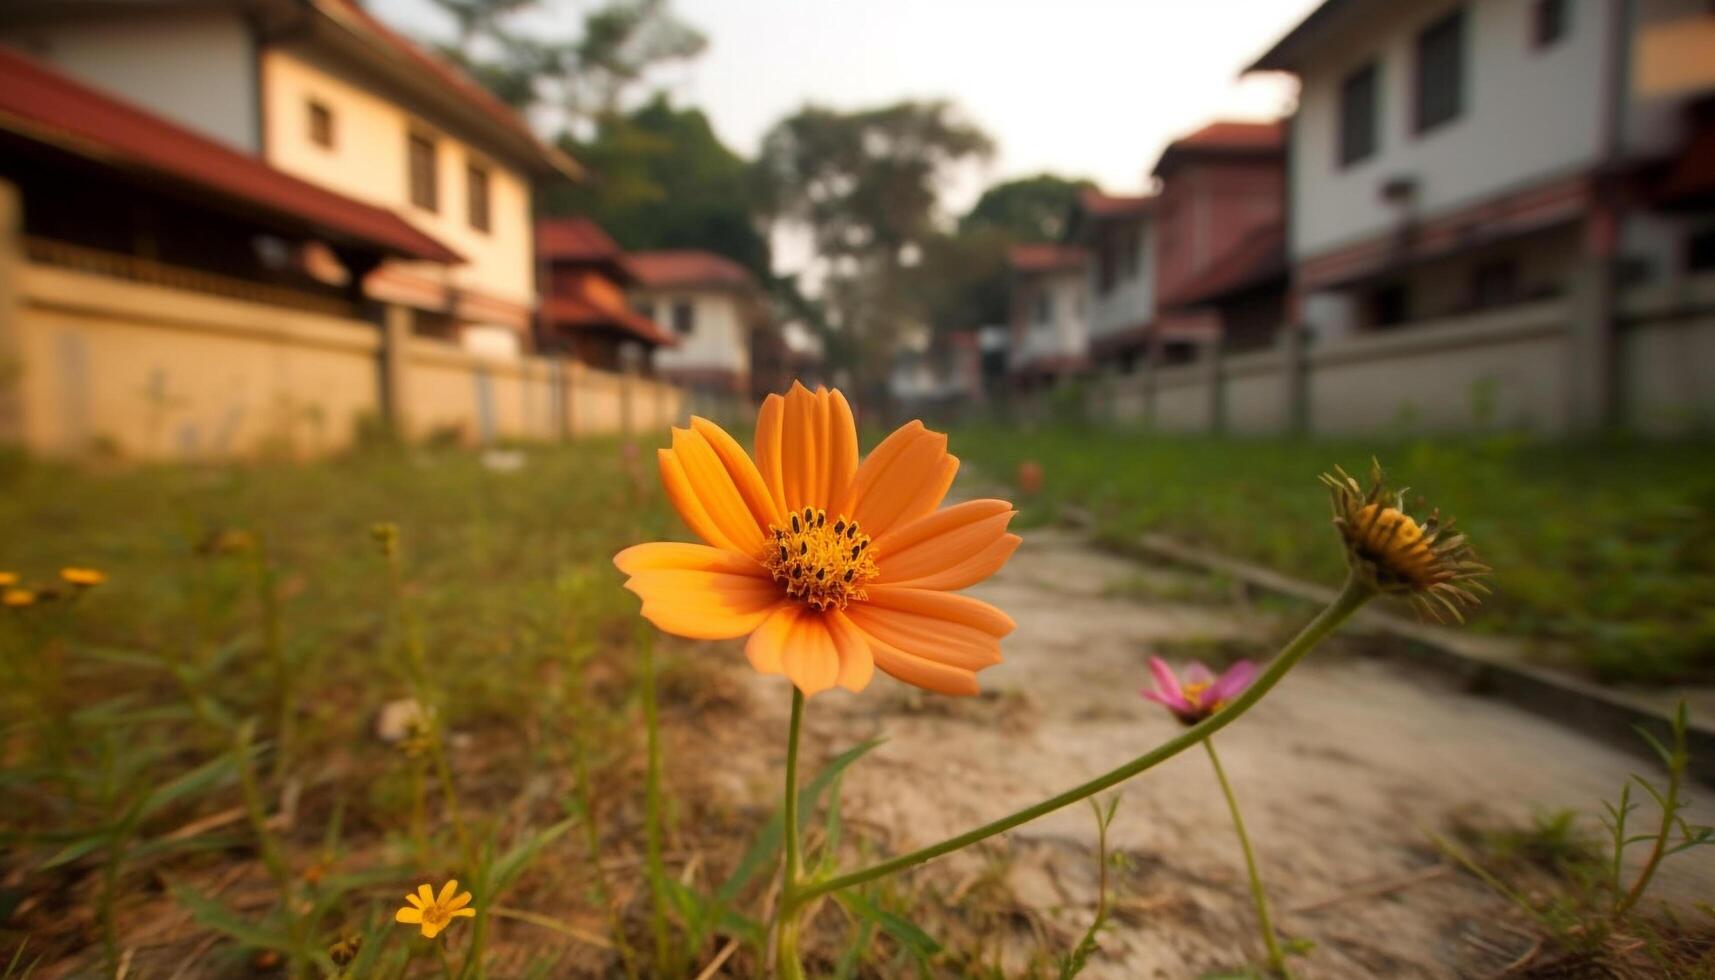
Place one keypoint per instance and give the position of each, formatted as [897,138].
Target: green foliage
[1074,962]
[1027,209]
[1605,549]
[661,178]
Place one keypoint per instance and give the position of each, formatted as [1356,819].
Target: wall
[1131,301]
[194,66]
[719,339]
[1065,334]
[1528,115]
[368,161]
[143,371]
[1506,369]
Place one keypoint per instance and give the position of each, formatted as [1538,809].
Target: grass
[1607,550]
[195,738]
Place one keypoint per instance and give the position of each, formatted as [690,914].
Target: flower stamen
[821,565]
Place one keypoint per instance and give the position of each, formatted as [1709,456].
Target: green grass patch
[1606,548]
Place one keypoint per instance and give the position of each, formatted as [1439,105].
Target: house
[1450,158]
[713,307]
[1049,314]
[150,303]
[321,90]
[584,311]
[1222,199]
[1117,232]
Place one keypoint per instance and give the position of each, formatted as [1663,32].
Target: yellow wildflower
[435,912]
[17,598]
[1398,555]
[83,578]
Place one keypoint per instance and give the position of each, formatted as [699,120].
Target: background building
[712,307]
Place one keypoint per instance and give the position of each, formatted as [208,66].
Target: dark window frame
[1436,102]
[479,210]
[1355,143]
[1550,23]
[422,171]
[320,122]
[684,315]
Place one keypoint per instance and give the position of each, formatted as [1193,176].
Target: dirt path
[1343,771]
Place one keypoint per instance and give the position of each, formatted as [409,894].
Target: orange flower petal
[412,916]
[903,479]
[766,648]
[857,665]
[674,555]
[921,671]
[806,449]
[460,902]
[414,900]
[809,657]
[704,605]
[952,546]
[684,499]
[743,472]
[708,478]
[448,890]
[433,929]
[940,626]
[461,913]
[941,521]
[426,893]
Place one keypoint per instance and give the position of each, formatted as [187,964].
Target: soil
[1344,772]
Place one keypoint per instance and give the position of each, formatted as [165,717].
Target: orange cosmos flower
[830,568]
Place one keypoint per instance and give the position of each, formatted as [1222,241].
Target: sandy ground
[1343,771]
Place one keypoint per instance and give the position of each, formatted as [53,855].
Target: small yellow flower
[83,578]
[1400,556]
[433,912]
[17,598]
[8,579]
[346,950]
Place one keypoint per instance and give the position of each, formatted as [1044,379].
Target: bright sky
[1080,87]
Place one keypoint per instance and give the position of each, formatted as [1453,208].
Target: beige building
[711,306]
[321,90]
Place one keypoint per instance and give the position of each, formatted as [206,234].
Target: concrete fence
[98,363]
[1512,368]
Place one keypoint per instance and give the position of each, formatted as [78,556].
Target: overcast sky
[1089,88]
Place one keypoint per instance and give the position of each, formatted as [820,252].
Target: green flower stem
[1276,958]
[1352,595]
[788,965]
[652,798]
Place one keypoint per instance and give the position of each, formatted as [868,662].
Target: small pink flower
[1202,694]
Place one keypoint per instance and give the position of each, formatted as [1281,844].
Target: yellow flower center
[436,914]
[823,564]
[1194,692]
[1394,542]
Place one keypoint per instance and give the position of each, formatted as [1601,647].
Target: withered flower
[1427,562]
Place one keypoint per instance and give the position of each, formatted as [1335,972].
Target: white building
[1050,314]
[712,306]
[1453,157]
[1119,235]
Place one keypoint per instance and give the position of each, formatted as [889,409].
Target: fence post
[629,355]
[11,315]
[395,366]
[557,390]
[1217,382]
[1295,365]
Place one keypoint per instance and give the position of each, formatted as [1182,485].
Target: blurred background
[280,268]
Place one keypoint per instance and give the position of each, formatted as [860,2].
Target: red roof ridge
[688,267]
[47,107]
[1045,257]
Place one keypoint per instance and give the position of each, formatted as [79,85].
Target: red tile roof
[580,312]
[352,15]
[1224,138]
[1099,205]
[1255,260]
[575,240]
[686,268]
[1045,258]
[45,107]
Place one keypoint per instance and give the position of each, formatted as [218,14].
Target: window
[321,123]
[1358,121]
[643,308]
[1044,307]
[684,318]
[1387,306]
[1130,251]
[1106,267]
[1441,71]
[425,184]
[476,196]
[1700,251]
[1548,21]
[1494,283]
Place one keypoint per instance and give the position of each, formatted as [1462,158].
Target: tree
[1030,209]
[661,178]
[866,185]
